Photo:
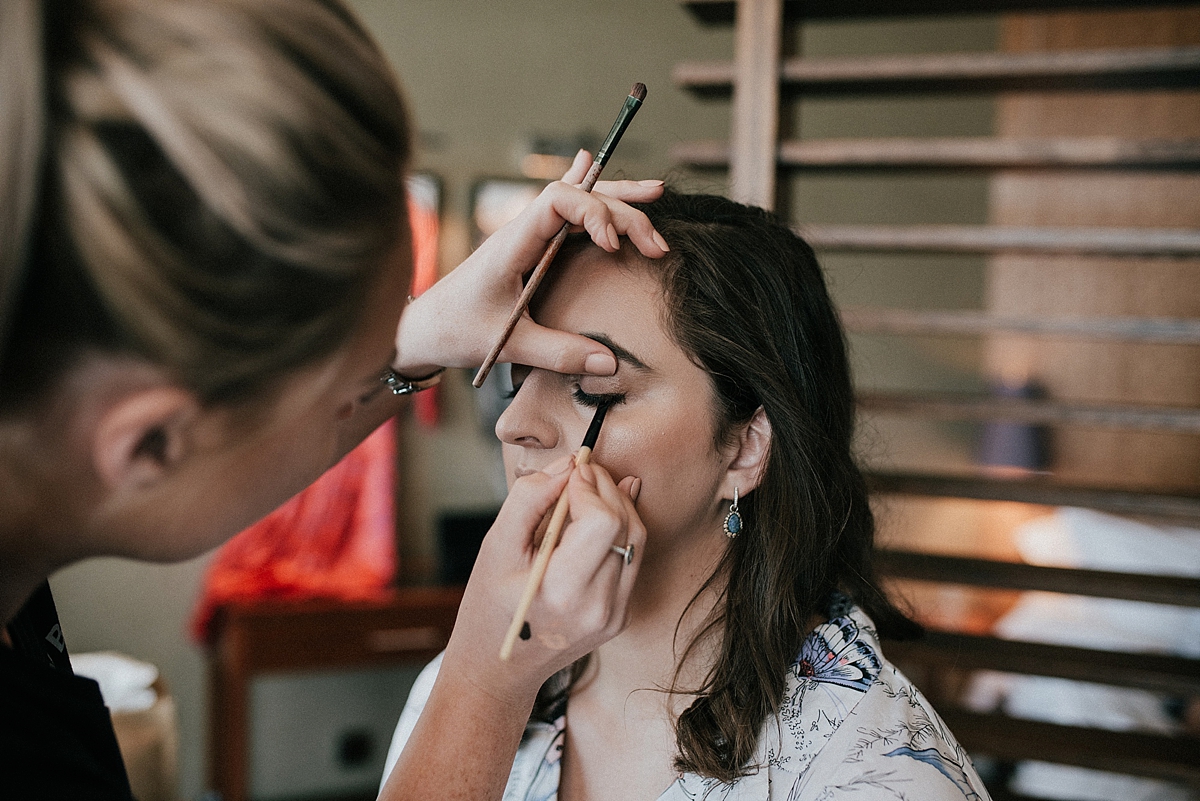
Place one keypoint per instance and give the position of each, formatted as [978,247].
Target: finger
[579,168]
[627,577]
[529,501]
[614,496]
[634,224]
[630,191]
[600,514]
[596,213]
[613,575]
[535,345]
[634,534]
[591,527]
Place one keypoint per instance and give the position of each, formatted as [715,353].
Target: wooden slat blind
[966,153]
[1039,491]
[1163,68]
[1096,241]
[1148,67]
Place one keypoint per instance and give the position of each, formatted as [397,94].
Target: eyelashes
[580,397]
[596,401]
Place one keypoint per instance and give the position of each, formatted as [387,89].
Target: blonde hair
[222,180]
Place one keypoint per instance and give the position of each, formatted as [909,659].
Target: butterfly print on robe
[834,654]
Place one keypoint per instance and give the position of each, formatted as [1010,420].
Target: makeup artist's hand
[478,705]
[458,320]
[583,597]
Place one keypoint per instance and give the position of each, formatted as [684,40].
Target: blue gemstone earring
[733,520]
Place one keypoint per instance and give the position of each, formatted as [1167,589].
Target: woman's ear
[140,437]
[750,459]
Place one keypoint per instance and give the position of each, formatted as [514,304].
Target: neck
[668,610]
[26,557]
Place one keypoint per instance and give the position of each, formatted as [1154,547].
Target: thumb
[534,345]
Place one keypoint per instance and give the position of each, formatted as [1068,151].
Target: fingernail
[613,239]
[600,364]
[650,183]
[560,466]
[662,243]
[585,472]
[635,489]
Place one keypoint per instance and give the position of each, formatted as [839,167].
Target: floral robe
[851,727]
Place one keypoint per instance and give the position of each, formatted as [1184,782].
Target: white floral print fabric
[851,727]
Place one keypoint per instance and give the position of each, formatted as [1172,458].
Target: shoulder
[850,726]
[894,744]
[838,666]
[56,737]
[890,743]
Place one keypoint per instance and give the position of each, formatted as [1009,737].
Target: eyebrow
[621,354]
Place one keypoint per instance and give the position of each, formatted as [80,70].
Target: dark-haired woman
[203,260]
[751,666]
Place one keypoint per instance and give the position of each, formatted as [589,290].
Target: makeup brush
[632,103]
[550,539]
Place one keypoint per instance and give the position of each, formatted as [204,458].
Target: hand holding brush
[632,103]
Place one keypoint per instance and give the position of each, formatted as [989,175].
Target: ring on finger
[625,553]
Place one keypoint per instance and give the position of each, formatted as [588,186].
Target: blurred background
[502,93]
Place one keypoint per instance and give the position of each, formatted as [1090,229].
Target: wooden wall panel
[1064,287]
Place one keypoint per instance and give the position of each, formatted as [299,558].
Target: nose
[530,420]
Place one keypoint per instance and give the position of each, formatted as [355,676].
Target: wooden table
[411,625]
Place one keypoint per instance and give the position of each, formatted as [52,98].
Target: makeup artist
[204,257]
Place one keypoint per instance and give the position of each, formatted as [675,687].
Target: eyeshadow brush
[632,103]
[550,539]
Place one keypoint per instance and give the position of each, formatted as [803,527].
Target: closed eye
[596,401]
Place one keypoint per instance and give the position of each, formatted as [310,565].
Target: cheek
[678,467]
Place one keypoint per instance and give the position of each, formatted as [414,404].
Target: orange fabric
[335,539]
[425,224]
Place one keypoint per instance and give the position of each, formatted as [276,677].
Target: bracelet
[399,385]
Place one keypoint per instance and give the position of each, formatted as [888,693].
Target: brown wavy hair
[746,299]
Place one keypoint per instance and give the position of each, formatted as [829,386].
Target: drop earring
[733,520]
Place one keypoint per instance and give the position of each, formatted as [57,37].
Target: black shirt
[56,735]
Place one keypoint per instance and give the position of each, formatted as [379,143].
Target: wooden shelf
[1154,755]
[1032,412]
[1157,330]
[1155,672]
[408,627]
[1174,590]
[1039,491]
[961,153]
[1090,241]
[1131,68]
[721,12]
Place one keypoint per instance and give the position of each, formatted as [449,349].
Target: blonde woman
[203,261]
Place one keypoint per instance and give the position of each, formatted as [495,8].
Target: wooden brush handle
[540,563]
[535,278]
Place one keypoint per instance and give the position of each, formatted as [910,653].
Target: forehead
[596,292]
